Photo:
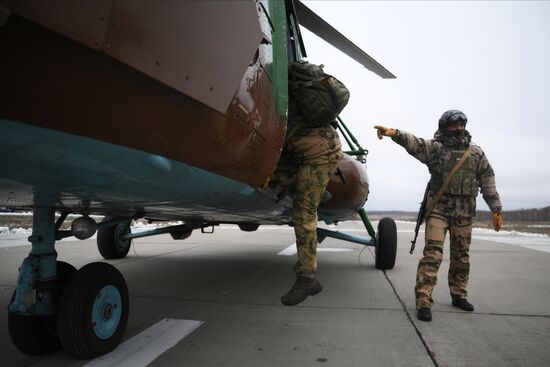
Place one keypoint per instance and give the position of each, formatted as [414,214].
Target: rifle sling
[448,180]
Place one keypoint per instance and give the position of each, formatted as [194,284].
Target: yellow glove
[265,184]
[497,221]
[385,131]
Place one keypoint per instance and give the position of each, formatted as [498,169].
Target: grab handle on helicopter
[356,149]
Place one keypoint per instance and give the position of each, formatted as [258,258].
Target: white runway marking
[148,345]
[291,250]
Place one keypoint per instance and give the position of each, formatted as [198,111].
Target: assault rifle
[420,218]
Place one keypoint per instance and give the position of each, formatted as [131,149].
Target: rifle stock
[420,218]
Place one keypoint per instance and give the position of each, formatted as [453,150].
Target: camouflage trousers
[460,230]
[306,182]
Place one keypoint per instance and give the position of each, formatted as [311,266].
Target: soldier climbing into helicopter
[310,157]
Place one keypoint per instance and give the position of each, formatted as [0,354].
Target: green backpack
[317,97]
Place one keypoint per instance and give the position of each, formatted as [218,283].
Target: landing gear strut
[36,334]
[56,306]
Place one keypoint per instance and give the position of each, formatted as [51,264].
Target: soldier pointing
[458,169]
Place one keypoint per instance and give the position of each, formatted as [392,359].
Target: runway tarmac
[213,300]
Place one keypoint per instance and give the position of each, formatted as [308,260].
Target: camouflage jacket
[435,154]
[305,143]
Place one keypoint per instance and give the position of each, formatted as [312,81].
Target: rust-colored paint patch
[349,188]
[50,81]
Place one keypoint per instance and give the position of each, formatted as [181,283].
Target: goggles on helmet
[457,117]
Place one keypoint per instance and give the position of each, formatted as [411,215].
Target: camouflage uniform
[454,212]
[309,159]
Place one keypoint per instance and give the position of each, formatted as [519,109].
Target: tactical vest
[464,182]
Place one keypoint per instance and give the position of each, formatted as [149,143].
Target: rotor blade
[314,23]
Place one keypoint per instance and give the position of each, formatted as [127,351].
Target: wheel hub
[106,313]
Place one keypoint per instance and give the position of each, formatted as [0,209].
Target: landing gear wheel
[386,244]
[93,312]
[248,227]
[36,335]
[181,235]
[109,240]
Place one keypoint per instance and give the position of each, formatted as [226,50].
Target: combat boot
[463,304]
[305,285]
[424,314]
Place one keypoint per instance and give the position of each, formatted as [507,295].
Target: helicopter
[161,111]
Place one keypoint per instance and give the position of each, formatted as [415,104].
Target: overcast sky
[489,59]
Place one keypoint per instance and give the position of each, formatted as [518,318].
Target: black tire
[37,335]
[386,244]
[84,333]
[109,242]
[248,227]
[181,235]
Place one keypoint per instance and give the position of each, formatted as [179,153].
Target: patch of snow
[144,225]
[533,241]
[5,231]
[482,231]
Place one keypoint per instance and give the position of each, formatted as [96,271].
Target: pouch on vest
[464,182]
[318,97]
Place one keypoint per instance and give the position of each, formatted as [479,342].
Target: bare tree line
[521,215]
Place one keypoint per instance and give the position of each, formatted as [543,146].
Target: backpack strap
[299,84]
[291,133]
[447,180]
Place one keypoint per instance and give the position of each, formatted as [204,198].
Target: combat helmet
[451,117]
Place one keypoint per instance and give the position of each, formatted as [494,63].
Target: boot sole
[315,291]
[426,318]
[463,309]
[312,293]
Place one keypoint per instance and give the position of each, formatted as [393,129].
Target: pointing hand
[385,131]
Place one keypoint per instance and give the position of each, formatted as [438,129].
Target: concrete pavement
[232,281]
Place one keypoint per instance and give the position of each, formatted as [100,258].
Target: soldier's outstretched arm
[419,148]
